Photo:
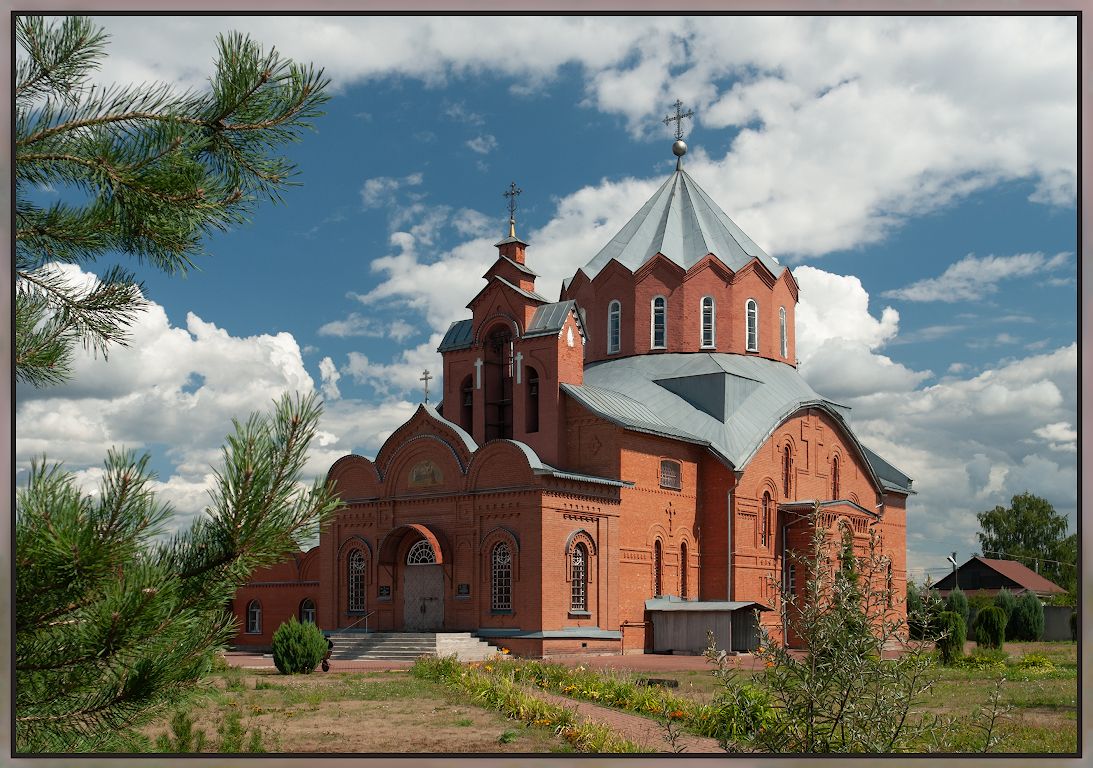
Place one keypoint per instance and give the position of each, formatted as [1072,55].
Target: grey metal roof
[521,267]
[459,336]
[683,223]
[673,603]
[529,294]
[550,318]
[730,403]
[892,478]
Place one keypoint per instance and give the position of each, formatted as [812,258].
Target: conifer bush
[1007,602]
[1028,619]
[298,648]
[953,634]
[957,602]
[990,627]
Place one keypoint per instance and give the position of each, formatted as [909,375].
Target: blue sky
[918,174]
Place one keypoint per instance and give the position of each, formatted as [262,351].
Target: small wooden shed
[680,626]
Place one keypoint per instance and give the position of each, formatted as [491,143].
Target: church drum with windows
[638,454]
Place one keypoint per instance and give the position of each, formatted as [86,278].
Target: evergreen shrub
[1007,602]
[298,648]
[957,602]
[1028,618]
[950,644]
[990,627]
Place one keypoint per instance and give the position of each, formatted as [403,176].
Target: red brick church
[642,447]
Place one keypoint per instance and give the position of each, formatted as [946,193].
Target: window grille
[782,323]
[657,559]
[683,571]
[307,611]
[764,523]
[752,312]
[671,474]
[708,332]
[660,322]
[356,570]
[579,579]
[254,618]
[787,471]
[614,327]
[791,579]
[501,578]
[421,554]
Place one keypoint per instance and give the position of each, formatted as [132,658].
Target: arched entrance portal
[414,558]
[422,589]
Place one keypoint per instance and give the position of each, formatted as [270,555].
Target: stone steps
[408,646]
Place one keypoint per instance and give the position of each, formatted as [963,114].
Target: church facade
[645,443]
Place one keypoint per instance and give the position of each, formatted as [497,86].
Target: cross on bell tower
[511,194]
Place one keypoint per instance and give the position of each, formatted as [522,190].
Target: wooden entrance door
[423,598]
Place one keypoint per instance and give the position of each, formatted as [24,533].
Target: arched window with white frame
[751,312]
[501,577]
[835,489]
[658,326]
[782,324]
[422,553]
[709,316]
[765,521]
[614,327]
[254,618]
[307,611]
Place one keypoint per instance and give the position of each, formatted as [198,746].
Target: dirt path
[646,733]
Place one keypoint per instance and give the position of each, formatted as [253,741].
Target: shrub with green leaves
[298,648]
[957,602]
[1028,618]
[1007,602]
[990,627]
[950,645]
[976,604]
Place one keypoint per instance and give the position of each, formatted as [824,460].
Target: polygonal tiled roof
[683,223]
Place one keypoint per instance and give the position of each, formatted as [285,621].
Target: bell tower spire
[512,247]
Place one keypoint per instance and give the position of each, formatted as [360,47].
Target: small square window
[671,475]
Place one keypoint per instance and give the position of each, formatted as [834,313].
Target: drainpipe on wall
[728,550]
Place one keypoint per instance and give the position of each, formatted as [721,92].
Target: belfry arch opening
[498,383]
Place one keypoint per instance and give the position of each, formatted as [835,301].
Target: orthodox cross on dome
[425,376]
[678,118]
[679,149]
[511,194]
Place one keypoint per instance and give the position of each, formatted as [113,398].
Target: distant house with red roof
[980,575]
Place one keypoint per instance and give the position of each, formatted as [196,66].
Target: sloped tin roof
[682,222]
[1022,574]
[730,403]
[458,336]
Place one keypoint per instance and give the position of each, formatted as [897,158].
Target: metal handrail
[363,618]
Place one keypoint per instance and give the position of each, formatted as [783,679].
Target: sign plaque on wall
[425,474]
[463,590]
[385,591]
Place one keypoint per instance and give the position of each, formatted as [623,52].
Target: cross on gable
[425,376]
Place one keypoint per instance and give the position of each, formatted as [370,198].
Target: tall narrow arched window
[501,578]
[658,330]
[531,404]
[782,325]
[765,521]
[498,376]
[834,477]
[254,618]
[356,565]
[578,577]
[614,327]
[888,584]
[787,471]
[683,570]
[466,404]
[751,312]
[657,564]
[307,611]
[709,331]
